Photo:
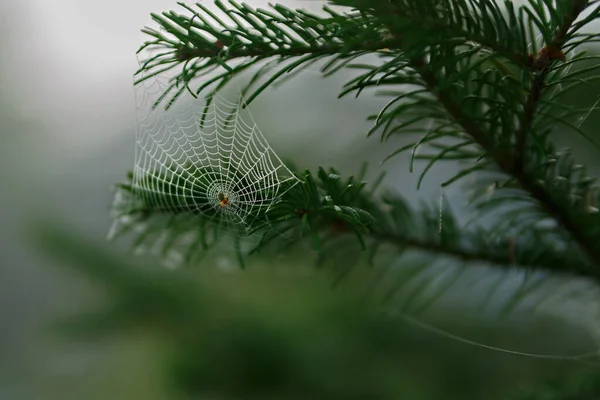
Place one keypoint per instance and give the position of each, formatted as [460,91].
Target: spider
[223,201]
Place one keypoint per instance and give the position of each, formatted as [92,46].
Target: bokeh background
[67,122]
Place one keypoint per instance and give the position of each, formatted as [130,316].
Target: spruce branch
[508,164]
[329,206]
[542,62]
[470,21]
[517,168]
[475,77]
[509,156]
[203,42]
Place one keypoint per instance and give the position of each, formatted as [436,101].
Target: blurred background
[67,118]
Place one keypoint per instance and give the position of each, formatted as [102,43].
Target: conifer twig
[511,161]
[537,81]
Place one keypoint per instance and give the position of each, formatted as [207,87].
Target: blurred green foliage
[272,334]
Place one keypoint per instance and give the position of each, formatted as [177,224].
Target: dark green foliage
[584,386]
[265,336]
[204,42]
[327,206]
[489,96]
[473,81]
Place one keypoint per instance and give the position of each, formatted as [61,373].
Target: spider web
[213,161]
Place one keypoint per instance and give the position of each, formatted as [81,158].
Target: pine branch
[505,161]
[469,20]
[466,54]
[542,61]
[260,53]
[517,168]
[203,42]
[508,159]
[332,206]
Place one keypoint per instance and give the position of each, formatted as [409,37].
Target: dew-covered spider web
[212,161]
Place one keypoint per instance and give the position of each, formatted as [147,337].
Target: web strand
[582,357]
